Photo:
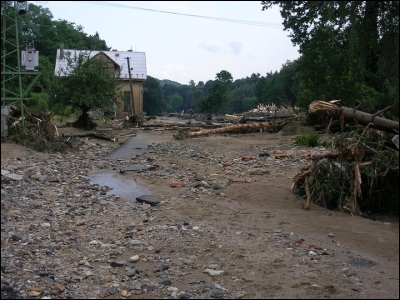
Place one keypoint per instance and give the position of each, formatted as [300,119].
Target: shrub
[309,139]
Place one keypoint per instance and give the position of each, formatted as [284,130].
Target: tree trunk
[241,128]
[318,110]
[85,122]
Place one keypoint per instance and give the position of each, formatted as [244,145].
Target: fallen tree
[239,128]
[326,112]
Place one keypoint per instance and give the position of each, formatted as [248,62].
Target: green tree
[242,96]
[87,84]
[278,87]
[198,98]
[346,46]
[175,102]
[218,92]
[37,30]
[153,98]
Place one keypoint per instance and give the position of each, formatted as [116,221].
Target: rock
[149,199]
[165,282]
[134,258]
[215,233]
[4,172]
[119,263]
[15,177]
[213,273]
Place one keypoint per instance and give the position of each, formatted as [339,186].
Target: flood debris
[263,118]
[39,132]
[360,173]
[36,131]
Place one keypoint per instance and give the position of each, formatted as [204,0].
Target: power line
[245,22]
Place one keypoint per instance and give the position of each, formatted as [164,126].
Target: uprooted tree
[360,174]
[85,84]
[324,113]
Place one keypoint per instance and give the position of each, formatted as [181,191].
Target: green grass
[309,138]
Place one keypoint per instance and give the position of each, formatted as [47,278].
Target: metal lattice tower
[15,82]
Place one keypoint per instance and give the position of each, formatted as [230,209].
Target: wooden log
[233,118]
[334,111]
[240,128]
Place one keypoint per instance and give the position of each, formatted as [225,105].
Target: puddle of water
[124,188]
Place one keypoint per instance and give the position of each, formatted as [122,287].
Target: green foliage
[278,87]
[349,51]
[38,104]
[66,113]
[218,92]
[39,29]
[309,139]
[330,182]
[241,96]
[89,85]
[175,103]
[153,98]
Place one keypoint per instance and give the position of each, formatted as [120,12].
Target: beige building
[118,62]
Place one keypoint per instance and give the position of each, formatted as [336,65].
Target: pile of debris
[264,118]
[264,113]
[35,131]
[360,174]
[271,112]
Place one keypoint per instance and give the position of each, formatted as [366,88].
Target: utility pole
[14,90]
[130,85]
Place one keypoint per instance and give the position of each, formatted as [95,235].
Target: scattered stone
[165,282]
[15,177]
[134,258]
[213,272]
[117,264]
[149,199]
[63,237]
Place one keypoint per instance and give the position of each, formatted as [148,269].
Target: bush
[309,139]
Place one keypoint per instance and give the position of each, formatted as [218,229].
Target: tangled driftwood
[359,175]
[41,125]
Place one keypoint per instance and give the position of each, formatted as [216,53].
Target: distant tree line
[349,51]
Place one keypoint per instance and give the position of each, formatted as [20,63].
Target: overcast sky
[187,40]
